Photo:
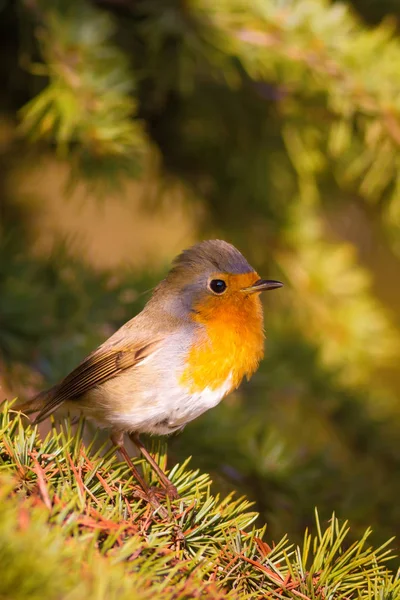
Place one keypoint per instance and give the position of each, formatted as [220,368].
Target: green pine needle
[72,524]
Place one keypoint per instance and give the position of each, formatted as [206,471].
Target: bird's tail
[42,403]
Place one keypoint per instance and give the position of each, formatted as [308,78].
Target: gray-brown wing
[102,365]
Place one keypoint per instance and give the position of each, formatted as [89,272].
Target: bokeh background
[130,129]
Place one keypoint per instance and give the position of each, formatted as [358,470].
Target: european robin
[198,336]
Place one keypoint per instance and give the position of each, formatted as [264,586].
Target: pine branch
[87,107]
[55,490]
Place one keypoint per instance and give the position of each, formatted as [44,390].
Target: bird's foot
[171,492]
[168,491]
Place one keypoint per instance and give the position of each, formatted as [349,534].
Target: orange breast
[231,344]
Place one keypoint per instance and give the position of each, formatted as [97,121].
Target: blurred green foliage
[273,115]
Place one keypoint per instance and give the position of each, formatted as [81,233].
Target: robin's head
[212,278]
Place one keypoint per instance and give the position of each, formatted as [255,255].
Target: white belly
[193,405]
[163,411]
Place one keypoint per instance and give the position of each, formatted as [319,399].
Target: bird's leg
[118,441]
[170,489]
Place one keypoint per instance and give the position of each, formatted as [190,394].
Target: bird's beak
[261,285]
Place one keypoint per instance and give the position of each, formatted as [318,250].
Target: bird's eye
[218,286]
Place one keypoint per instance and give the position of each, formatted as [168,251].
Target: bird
[200,333]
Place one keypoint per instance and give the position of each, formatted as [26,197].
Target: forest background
[129,129]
